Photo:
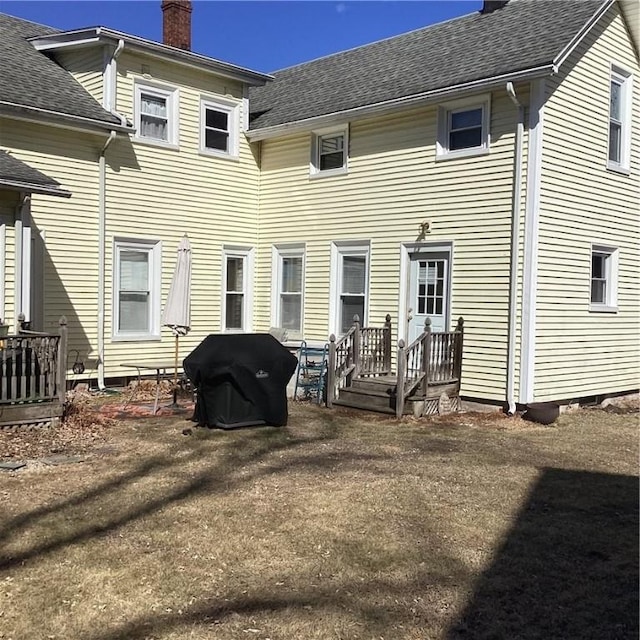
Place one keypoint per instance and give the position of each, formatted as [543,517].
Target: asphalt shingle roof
[522,35]
[31,79]
[14,170]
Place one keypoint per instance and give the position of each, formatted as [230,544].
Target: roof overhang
[388,106]
[577,39]
[32,187]
[100,35]
[65,120]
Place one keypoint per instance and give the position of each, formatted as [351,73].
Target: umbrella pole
[175,376]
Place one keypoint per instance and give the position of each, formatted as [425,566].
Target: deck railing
[375,350]
[432,358]
[342,362]
[33,367]
[362,351]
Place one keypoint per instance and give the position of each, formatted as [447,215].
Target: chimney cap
[489,6]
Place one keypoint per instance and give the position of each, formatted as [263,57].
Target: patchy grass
[339,526]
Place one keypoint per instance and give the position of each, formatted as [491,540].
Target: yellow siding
[71,225]
[8,202]
[393,184]
[578,352]
[160,193]
[85,65]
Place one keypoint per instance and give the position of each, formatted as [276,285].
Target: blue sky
[261,35]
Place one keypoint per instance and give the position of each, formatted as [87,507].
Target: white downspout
[515,251]
[18,259]
[109,103]
[102,243]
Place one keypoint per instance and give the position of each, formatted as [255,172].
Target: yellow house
[486,167]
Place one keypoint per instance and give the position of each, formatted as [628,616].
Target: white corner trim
[530,267]
[3,270]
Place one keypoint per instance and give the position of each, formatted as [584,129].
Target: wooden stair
[379,394]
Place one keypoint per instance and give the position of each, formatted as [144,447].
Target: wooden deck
[33,378]
[427,380]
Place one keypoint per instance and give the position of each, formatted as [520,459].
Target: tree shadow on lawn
[243,458]
[568,568]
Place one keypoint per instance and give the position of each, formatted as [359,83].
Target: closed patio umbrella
[177,309]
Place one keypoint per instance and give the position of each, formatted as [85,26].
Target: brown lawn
[339,526]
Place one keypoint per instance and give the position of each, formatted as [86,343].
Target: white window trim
[279,252]
[442,142]
[625,77]
[247,312]
[233,110]
[314,164]
[173,100]
[340,249]
[611,278]
[154,247]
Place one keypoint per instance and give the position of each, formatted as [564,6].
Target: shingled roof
[523,35]
[30,79]
[19,176]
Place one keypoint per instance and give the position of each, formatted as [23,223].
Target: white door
[428,292]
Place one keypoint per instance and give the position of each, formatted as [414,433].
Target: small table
[160,368]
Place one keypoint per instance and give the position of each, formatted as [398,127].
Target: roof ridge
[33,22]
[375,42]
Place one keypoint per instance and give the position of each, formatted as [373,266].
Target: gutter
[316,122]
[515,249]
[36,114]
[94,35]
[16,185]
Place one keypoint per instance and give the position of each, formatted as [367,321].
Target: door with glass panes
[428,292]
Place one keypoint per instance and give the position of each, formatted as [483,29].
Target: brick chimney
[489,6]
[176,23]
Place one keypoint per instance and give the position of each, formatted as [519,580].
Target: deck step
[374,401]
[386,384]
[363,404]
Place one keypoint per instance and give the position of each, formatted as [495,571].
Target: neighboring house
[486,167]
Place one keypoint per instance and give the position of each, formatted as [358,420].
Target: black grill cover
[241,380]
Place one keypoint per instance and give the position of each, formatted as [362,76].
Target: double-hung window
[604,278]
[136,300]
[619,119]
[329,152]
[219,127]
[350,279]
[237,267]
[289,275]
[156,114]
[463,128]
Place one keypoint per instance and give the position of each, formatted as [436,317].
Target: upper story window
[329,152]
[156,116]
[136,299]
[619,119]
[463,128]
[604,278]
[219,127]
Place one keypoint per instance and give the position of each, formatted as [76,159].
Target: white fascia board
[577,39]
[58,119]
[29,187]
[97,35]
[380,108]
